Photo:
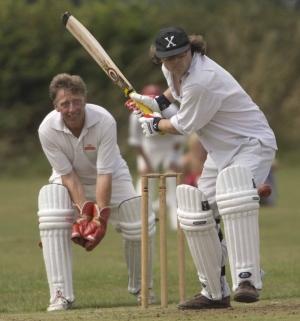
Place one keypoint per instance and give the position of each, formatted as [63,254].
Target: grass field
[100,279]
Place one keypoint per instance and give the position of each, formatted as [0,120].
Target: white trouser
[255,156]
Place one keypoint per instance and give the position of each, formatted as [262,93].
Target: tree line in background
[258,41]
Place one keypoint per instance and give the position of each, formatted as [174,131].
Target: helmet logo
[170,42]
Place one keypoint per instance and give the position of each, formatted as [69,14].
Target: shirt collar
[195,58]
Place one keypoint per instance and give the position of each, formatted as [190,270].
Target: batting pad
[238,204]
[198,223]
[130,226]
[129,215]
[56,216]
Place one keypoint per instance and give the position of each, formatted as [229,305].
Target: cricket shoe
[199,302]
[60,303]
[246,293]
[151,297]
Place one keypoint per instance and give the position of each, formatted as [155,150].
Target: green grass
[100,279]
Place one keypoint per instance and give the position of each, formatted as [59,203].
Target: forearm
[103,190]
[165,126]
[75,188]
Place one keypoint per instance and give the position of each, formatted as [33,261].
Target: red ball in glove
[90,228]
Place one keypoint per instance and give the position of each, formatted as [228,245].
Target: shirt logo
[170,42]
[89,147]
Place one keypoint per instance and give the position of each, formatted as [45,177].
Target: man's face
[71,106]
[178,64]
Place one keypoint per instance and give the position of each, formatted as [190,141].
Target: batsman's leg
[198,223]
[130,225]
[238,204]
[56,216]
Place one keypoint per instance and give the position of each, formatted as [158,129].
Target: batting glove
[158,104]
[150,124]
[149,101]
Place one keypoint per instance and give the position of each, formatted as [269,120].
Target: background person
[193,160]
[154,155]
[79,141]
[241,147]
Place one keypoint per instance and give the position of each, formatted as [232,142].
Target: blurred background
[258,41]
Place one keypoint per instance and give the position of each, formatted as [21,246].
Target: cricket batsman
[241,147]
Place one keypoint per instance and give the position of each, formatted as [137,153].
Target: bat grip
[128,91]
[145,109]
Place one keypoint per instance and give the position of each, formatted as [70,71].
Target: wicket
[162,242]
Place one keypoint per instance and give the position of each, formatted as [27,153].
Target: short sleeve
[57,159]
[108,148]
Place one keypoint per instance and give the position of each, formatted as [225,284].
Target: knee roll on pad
[130,219]
[198,223]
[55,207]
[238,204]
[56,216]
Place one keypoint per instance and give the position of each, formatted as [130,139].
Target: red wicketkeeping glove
[85,215]
[96,228]
[90,228]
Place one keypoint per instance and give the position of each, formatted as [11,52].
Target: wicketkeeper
[90,186]
[241,147]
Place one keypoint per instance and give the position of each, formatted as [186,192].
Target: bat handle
[66,17]
[145,109]
[127,91]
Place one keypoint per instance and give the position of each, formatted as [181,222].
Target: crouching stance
[58,226]
[90,186]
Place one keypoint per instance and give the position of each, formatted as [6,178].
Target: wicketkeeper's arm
[72,182]
[103,190]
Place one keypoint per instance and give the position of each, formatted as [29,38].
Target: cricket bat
[93,47]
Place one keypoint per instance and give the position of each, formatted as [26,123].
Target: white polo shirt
[94,152]
[215,106]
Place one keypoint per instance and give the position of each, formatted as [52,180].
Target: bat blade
[93,47]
